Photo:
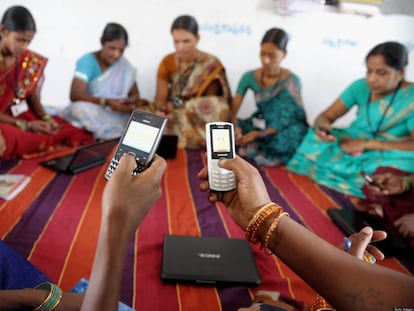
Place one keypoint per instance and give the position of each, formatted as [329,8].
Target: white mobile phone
[140,138]
[220,145]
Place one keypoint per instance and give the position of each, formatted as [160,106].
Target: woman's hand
[390,182]
[128,198]
[249,195]
[360,243]
[405,225]
[248,138]
[40,126]
[353,146]
[120,105]
[323,131]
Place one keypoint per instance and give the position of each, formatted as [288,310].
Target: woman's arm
[323,122]
[161,97]
[78,92]
[345,281]
[122,213]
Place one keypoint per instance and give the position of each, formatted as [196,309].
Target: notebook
[351,221]
[168,146]
[208,261]
[83,158]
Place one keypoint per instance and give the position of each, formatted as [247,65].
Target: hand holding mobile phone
[324,130]
[141,137]
[220,145]
[371,181]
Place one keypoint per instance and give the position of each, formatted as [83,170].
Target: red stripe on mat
[181,211]
[81,252]
[60,230]
[12,211]
[150,293]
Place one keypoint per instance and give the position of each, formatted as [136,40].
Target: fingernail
[366,230]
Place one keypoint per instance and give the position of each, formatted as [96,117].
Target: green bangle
[22,125]
[102,101]
[52,300]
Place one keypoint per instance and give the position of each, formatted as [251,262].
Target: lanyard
[374,133]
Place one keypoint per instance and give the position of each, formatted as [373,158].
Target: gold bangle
[102,101]
[271,229]
[406,183]
[258,219]
[46,117]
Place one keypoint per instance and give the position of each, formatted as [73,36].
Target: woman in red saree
[26,128]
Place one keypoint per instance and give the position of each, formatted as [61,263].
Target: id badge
[19,108]
[259,123]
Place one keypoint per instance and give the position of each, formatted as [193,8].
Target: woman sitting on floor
[381,135]
[272,134]
[104,90]
[192,87]
[25,126]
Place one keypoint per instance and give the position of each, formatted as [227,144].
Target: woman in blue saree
[381,135]
[272,134]
[104,90]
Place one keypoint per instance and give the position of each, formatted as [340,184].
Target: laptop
[208,261]
[83,158]
[351,221]
[168,146]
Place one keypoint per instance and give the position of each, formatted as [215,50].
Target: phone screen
[221,140]
[140,136]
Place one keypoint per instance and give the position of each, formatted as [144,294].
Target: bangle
[262,134]
[407,183]
[46,117]
[258,219]
[52,300]
[22,124]
[272,228]
[102,101]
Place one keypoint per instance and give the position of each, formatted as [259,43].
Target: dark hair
[395,54]
[185,22]
[18,18]
[278,37]
[114,31]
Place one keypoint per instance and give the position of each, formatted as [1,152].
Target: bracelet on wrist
[102,101]
[46,117]
[52,300]
[22,124]
[407,183]
[262,134]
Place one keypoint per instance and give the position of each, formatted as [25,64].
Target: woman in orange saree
[26,128]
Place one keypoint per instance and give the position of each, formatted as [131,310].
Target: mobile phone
[140,138]
[220,145]
[324,130]
[371,180]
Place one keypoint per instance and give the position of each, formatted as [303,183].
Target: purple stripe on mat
[128,274]
[6,166]
[30,226]
[277,197]
[211,225]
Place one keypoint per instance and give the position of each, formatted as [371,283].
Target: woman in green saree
[381,135]
[274,131]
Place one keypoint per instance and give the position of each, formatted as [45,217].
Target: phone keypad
[141,161]
[222,179]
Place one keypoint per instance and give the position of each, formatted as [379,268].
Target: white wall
[326,49]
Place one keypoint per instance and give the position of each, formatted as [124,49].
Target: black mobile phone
[140,138]
[371,180]
[324,130]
